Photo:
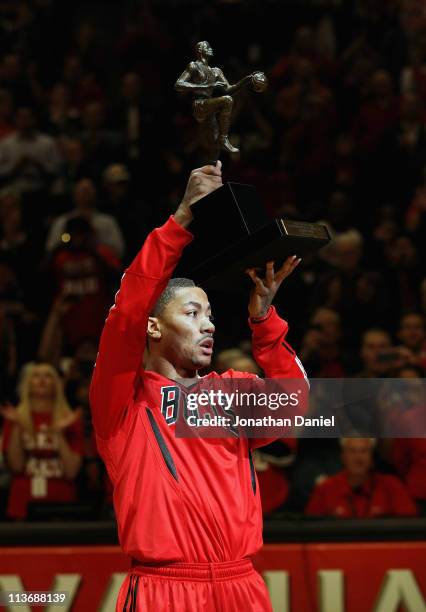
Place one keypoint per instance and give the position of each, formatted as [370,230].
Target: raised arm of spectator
[123,338]
[12,439]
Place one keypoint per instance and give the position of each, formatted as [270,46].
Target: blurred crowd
[95,150]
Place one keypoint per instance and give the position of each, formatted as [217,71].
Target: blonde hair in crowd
[61,408]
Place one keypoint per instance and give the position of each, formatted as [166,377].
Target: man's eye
[192,313]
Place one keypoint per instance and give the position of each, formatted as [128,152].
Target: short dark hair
[169,293]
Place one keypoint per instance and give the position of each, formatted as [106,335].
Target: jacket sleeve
[276,358]
[123,338]
[270,349]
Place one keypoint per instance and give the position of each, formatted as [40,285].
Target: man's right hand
[202,181]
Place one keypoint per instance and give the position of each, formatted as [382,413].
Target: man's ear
[153,328]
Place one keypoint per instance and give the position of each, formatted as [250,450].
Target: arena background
[94,142]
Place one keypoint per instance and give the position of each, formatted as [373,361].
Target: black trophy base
[276,241]
[232,232]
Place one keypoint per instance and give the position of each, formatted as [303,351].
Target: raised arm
[223,83]
[122,342]
[270,348]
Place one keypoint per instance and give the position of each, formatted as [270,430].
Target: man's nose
[208,326]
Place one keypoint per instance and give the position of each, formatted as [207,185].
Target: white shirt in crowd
[105,226]
[41,157]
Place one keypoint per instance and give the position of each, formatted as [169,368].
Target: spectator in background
[413,76]
[412,335]
[377,115]
[78,370]
[349,287]
[29,159]
[344,162]
[303,48]
[403,275]
[71,75]
[20,319]
[235,359]
[74,167]
[270,462]
[17,246]
[134,218]
[13,78]
[377,355]
[8,357]
[107,230]
[42,441]
[321,351]
[82,272]
[359,491]
[131,117]
[102,146]
[406,146]
[408,454]
[87,45]
[7,127]
[63,117]
[307,110]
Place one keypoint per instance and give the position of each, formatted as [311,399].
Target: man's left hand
[264,289]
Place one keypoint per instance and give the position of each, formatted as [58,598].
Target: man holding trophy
[188,509]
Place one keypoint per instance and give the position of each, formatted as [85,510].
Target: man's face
[357,457]
[84,194]
[328,323]
[187,330]
[412,331]
[374,343]
[348,256]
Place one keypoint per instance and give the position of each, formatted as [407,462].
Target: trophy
[248,238]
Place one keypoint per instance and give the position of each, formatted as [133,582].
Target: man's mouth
[207,346]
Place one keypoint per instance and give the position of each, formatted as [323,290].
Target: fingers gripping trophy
[213,101]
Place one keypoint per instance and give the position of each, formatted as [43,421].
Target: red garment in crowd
[372,123]
[381,495]
[43,478]
[273,487]
[177,500]
[273,482]
[81,278]
[409,458]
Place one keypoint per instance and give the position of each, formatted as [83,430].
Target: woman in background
[42,442]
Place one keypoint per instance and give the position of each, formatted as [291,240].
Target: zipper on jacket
[162,444]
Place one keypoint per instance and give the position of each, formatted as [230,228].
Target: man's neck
[157,363]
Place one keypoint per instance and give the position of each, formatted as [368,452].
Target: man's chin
[203,362]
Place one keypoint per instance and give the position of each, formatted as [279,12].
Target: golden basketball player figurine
[213,100]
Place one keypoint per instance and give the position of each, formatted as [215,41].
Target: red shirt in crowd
[43,477]
[381,495]
[81,278]
[409,458]
[273,481]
